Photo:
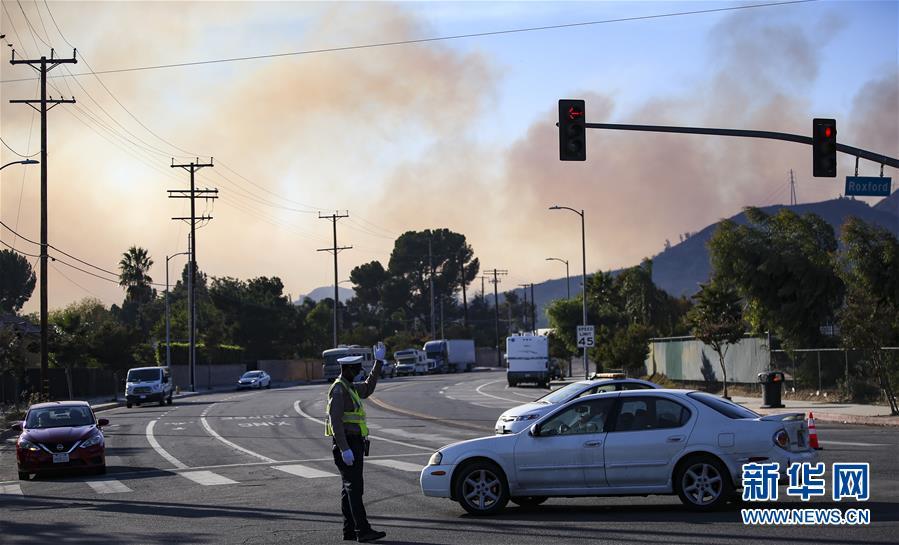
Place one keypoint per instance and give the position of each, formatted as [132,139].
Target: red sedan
[60,435]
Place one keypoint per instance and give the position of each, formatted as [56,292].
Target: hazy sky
[454,133]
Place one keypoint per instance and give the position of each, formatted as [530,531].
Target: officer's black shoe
[371,535]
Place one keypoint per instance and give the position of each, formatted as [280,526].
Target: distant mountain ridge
[327,292]
[679,269]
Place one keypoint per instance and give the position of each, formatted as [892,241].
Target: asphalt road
[255,467]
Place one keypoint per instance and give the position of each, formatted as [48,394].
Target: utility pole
[496,273]
[792,189]
[464,300]
[193,194]
[335,250]
[524,308]
[44,65]
[533,311]
[431,280]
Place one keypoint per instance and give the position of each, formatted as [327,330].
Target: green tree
[782,266]
[16,281]
[134,275]
[717,320]
[869,319]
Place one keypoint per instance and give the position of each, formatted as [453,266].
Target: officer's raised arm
[367,387]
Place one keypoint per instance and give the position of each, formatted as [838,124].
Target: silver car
[627,443]
[254,379]
[518,418]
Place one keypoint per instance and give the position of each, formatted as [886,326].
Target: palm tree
[134,266]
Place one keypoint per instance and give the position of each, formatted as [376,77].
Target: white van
[148,384]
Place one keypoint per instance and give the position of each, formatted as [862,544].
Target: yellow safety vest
[356,416]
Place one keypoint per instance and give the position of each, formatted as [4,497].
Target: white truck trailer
[452,355]
[528,357]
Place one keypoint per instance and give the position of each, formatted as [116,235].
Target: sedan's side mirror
[534,431]
[16,427]
[102,422]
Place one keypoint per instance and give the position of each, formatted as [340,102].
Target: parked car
[518,418]
[148,384]
[635,442]
[254,379]
[61,435]
[388,369]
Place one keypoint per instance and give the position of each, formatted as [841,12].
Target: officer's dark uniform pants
[354,517]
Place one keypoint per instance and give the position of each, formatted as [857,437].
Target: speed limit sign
[585,337]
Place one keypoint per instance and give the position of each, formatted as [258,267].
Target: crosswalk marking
[108,487]
[10,490]
[206,478]
[305,471]
[397,464]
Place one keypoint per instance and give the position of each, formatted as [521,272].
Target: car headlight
[28,445]
[527,417]
[93,440]
[436,458]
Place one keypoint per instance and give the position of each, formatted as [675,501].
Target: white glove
[348,457]
[380,351]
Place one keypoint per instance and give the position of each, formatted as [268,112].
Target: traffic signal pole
[769,135]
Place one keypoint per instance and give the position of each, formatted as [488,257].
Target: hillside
[327,292]
[679,269]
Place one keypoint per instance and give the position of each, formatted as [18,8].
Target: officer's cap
[350,360]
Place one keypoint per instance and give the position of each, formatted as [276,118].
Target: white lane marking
[127,474]
[108,487]
[213,433]
[305,471]
[405,434]
[296,407]
[478,390]
[159,450]
[11,490]
[397,464]
[207,478]
[850,444]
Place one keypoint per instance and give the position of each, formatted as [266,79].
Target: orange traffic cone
[813,433]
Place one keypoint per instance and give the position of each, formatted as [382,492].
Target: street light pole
[23,162]
[567,277]
[584,274]
[168,342]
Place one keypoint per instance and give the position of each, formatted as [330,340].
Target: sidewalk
[843,413]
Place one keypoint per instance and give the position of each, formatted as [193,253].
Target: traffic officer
[346,425]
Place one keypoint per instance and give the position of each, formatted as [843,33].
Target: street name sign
[868,186]
[585,338]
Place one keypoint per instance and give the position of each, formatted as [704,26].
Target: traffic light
[572,137]
[824,148]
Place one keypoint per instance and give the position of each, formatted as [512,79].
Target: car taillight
[781,439]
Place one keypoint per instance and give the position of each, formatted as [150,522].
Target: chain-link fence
[846,372]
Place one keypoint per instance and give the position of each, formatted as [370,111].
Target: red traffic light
[828,132]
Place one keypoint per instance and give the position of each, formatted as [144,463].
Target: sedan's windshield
[142,375]
[561,394]
[252,374]
[59,417]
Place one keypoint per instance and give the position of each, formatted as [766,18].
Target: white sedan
[636,442]
[518,418]
[254,379]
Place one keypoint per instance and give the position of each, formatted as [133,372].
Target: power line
[31,28]
[17,251]
[17,153]
[435,39]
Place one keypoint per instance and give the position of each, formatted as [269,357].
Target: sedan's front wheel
[703,483]
[23,476]
[481,488]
